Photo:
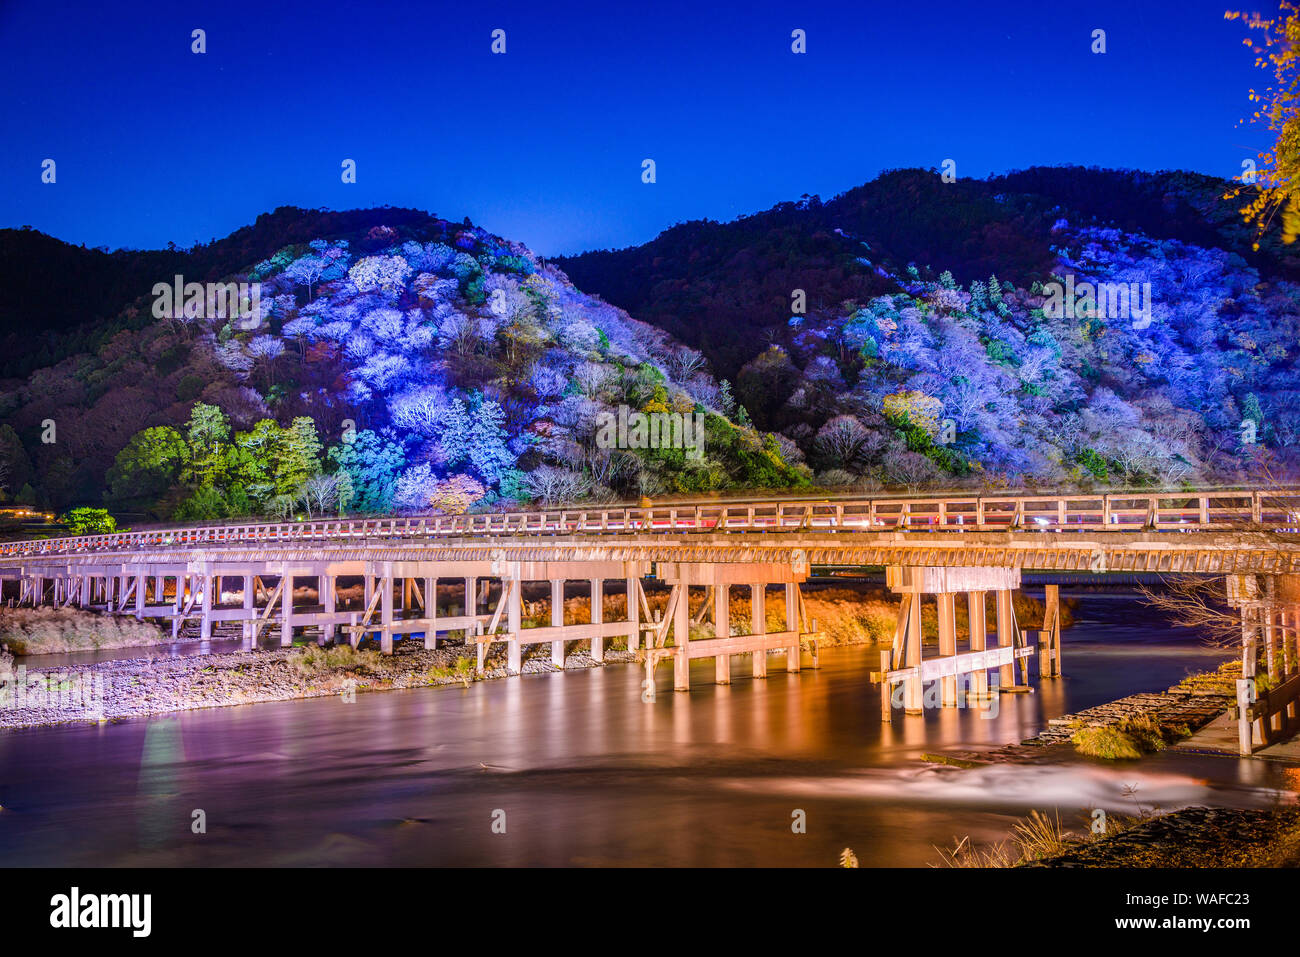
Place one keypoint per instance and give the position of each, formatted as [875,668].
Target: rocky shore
[135,687]
[1193,837]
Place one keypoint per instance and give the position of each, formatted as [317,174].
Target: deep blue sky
[545,143]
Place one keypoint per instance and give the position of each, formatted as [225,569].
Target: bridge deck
[1249,510]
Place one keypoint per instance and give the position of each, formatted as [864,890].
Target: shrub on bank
[1106,741]
[1126,739]
[43,631]
[315,660]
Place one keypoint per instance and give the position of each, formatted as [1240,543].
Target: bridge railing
[1164,511]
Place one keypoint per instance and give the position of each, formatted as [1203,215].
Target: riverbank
[137,687]
[1192,837]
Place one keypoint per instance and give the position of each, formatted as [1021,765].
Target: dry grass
[1127,739]
[1033,838]
[1106,741]
[1222,681]
[43,631]
[316,661]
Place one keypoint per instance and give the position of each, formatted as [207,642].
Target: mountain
[725,287]
[1046,328]
[924,353]
[385,359]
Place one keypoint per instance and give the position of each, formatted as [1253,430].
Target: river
[578,770]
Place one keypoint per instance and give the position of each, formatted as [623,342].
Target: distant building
[24,513]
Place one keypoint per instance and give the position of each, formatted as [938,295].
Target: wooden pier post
[947,607]
[431,612]
[793,653]
[597,618]
[976,612]
[886,704]
[205,624]
[682,640]
[1006,635]
[913,697]
[1246,685]
[386,608]
[758,625]
[511,594]
[633,615]
[557,620]
[250,611]
[722,629]
[141,593]
[471,606]
[286,608]
[1049,665]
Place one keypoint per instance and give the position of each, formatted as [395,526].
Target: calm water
[588,774]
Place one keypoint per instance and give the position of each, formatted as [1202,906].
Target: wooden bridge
[953,547]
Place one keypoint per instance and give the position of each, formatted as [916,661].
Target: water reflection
[590,774]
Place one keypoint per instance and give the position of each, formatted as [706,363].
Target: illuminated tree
[1276,45]
[89,521]
[917,407]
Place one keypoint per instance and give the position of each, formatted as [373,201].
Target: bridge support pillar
[386,608]
[634,613]
[249,603]
[431,612]
[757,625]
[597,618]
[471,608]
[947,608]
[178,602]
[910,638]
[793,622]
[511,594]
[327,585]
[1006,617]
[557,620]
[682,640]
[141,589]
[976,612]
[205,623]
[907,666]
[1049,657]
[722,629]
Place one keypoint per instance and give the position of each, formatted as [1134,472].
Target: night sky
[544,144]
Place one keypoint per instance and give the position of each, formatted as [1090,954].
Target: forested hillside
[907,334]
[424,366]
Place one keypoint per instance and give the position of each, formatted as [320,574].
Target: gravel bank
[134,687]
